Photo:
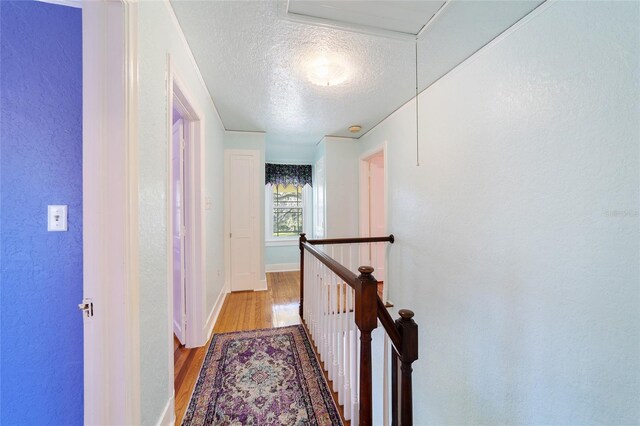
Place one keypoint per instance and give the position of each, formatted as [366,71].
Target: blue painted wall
[40,164]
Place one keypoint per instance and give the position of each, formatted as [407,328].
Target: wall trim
[214,314]
[363,200]
[262,285]
[168,416]
[196,277]
[282,267]
[176,24]
[110,212]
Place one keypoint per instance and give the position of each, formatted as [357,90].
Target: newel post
[366,316]
[409,333]
[303,239]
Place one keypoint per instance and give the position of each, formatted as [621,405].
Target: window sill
[281,242]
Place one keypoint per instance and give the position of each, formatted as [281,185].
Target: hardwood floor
[247,310]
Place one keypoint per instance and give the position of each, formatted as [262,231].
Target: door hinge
[87,307]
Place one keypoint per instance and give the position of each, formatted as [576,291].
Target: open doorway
[373,211]
[186,230]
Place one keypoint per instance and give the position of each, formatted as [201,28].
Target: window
[287,202]
[287,210]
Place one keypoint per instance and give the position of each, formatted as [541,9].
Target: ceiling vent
[395,19]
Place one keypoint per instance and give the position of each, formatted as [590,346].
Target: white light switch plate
[57,218]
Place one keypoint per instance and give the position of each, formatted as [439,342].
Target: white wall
[293,153]
[255,141]
[341,188]
[158,36]
[517,238]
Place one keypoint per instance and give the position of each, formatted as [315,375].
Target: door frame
[195,279]
[110,211]
[363,197]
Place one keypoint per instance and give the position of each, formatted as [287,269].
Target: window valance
[287,174]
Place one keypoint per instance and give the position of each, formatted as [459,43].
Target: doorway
[185,237]
[373,210]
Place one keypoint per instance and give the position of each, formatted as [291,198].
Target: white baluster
[336,334]
[323,319]
[342,313]
[385,382]
[348,326]
[330,326]
[355,367]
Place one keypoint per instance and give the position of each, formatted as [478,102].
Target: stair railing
[339,308]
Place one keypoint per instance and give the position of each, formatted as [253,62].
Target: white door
[242,216]
[179,229]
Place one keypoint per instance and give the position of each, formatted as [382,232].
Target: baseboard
[213,315]
[176,326]
[282,267]
[168,417]
[262,285]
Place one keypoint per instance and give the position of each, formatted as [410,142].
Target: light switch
[57,218]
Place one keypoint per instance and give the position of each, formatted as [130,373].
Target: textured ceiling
[256,64]
[407,17]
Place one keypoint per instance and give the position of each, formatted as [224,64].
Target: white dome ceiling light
[325,71]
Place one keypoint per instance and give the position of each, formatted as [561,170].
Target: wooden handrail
[389,325]
[344,273]
[358,240]
[369,308]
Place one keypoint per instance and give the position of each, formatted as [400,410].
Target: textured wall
[341,191]
[517,238]
[276,255]
[159,36]
[41,164]
[295,153]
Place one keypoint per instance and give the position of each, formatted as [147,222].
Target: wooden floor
[247,310]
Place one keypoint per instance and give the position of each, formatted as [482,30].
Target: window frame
[275,241]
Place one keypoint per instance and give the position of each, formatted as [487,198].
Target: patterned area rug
[261,377]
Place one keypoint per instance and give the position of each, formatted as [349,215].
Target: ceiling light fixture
[326,72]
[355,129]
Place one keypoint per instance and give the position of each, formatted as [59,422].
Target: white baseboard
[213,315]
[168,416]
[282,267]
[262,285]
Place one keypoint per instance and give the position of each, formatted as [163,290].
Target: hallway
[247,310]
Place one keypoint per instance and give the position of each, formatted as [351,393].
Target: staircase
[341,310]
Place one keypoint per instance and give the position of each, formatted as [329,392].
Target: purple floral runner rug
[261,377]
